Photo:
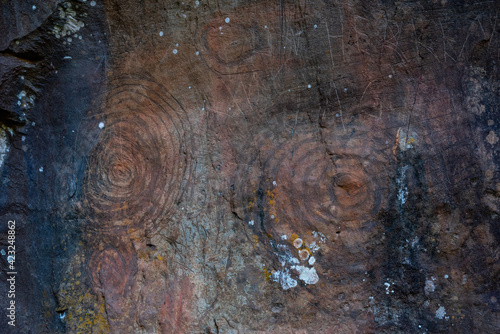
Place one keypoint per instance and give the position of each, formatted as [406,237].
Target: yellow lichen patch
[143,255]
[86,315]
[255,241]
[293,237]
[267,275]
[83,311]
[271,194]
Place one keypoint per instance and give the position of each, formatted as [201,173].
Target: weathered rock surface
[250,166]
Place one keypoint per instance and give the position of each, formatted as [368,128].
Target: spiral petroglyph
[112,268]
[314,179]
[140,166]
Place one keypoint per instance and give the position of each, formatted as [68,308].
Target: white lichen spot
[307,275]
[429,286]
[321,236]
[390,76]
[285,256]
[446,276]
[161,33]
[414,241]
[309,86]
[312,260]
[313,247]
[402,187]
[406,140]
[40,169]
[197,53]
[274,183]
[284,237]
[174,51]
[284,278]
[92,3]
[25,101]
[227,20]
[440,312]
[71,24]
[387,286]
[492,138]
[272,216]
[34,7]
[101,125]
[297,243]
[315,26]
[62,315]
[196,3]
[251,222]
[4,148]
[304,254]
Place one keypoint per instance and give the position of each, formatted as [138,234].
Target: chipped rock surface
[250,166]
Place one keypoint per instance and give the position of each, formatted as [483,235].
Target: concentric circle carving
[140,166]
[313,178]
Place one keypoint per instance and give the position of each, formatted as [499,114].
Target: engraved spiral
[113,268]
[140,166]
[313,178]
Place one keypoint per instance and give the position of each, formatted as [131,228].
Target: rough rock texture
[251,166]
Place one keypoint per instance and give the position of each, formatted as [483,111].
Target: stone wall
[251,166]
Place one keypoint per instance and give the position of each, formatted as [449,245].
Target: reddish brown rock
[252,166]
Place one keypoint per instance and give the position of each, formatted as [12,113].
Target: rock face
[250,166]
